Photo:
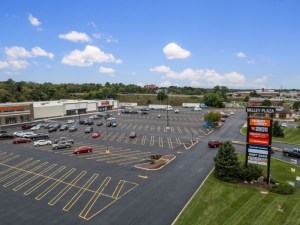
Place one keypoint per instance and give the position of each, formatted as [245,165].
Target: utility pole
[167,111]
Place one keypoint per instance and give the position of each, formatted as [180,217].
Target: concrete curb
[137,166]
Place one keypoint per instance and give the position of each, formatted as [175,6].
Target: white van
[196,109]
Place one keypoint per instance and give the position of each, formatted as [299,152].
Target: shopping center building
[16,113]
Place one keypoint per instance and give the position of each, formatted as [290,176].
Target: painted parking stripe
[158,128]
[9,159]
[143,140]
[28,172]
[194,131]
[115,155]
[152,141]
[187,130]
[135,139]
[120,137]
[113,137]
[179,129]
[80,192]
[19,170]
[6,156]
[130,157]
[55,184]
[67,188]
[146,128]
[170,143]
[92,201]
[178,141]
[160,141]
[34,177]
[36,186]
[16,166]
[152,128]
[172,129]
[141,126]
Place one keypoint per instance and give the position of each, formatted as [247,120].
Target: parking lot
[87,184]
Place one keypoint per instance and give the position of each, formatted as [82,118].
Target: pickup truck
[294,152]
[62,144]
[64,139]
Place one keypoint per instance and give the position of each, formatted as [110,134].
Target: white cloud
[88,57]
[4,64]
[241,55]
[140,84]
[261,80]
[97,35]
[37,51]
[165,84]
[106,70]
[33,20]
[203,76]
[75,37]
[20,52]
[17,64]
[195,83]
[235,78]
[174,51]
[161,69]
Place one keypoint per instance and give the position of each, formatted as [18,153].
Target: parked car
[62,144]
[63,139]
[96,135]
[231,113]
[222,119]
[83,149]
[108,124]
[176,111]
[70,121]
[110,118]
[37,127]
[41,136]
[158,116]
[6,136]
[132,134]
[64,127]
[18,133]
[114,124]
[284,124]
[27,134]
[88,122]
[214,143]
[72,128]
[100,123]
[42,142]
[3,131]
[294,152]
[21,140]
[27,126]
[81,121]
[52,129]
[88,130]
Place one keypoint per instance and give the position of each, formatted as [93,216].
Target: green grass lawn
[221,203]
[291,135]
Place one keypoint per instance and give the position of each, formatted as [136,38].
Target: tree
[227,167]
[296,106]
[222,91]
[161,96]
[213,99]
[266,102]
[212,117]
[246,99]
[254,94]
[277,130]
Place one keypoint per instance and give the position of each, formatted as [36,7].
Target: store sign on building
[105,103]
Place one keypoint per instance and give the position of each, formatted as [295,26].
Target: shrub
[155,157]
[284,189]
[251,172]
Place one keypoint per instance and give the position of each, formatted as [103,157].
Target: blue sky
[236,43]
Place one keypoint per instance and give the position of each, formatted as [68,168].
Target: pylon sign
[259,136]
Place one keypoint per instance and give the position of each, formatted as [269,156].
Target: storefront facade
[11,113]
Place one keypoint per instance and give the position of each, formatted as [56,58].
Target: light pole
[167,111]
[107,150]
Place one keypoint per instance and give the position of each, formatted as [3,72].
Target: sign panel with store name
[258,154]
[260,110]
[259,138]
[260,122]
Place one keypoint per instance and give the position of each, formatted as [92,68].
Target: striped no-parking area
[58,185]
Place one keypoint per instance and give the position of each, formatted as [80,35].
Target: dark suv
[214,143]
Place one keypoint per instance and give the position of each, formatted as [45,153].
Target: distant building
[151,87]
[11,113]
[259,101]
[241,93]
[267,93]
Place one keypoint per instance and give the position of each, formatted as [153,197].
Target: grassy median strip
[224,203]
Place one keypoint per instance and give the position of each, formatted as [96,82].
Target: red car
[21,140]
[83,149]
[214,143]
[27,126]
[96,135]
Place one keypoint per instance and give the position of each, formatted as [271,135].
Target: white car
[35,128]
[18,133]
[111,118]
[42,142]
[70,121]
[284,125]
[231,113]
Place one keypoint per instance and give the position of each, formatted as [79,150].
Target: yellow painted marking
[152,141]
[118,189]
[55,184]
[143,139]
[30,190]
[144,177]
[187,130]
[179,129]
[178,141]
[135,139]
[7,160]
[117,155]
[146,128]
[6,156]
[195,132]
[18,171]
[170,143]
[127,140]
[67,188]
[160,141]
[113,137]
[15,167]
[107,136]
[172,129]
[120,138]
[34,177]
[2,154]
[152,128]
[131,157]
[25,174]
[93,200]
[158,128]
[79,193]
